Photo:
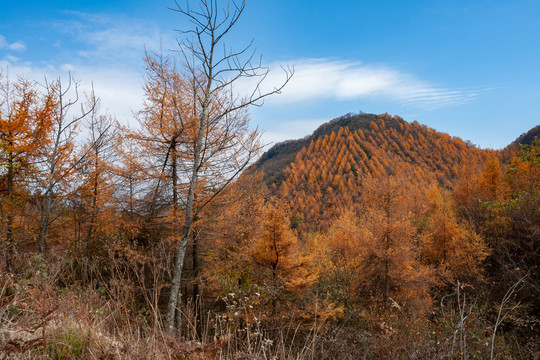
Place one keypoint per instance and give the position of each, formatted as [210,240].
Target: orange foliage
[453,247]
[335,167]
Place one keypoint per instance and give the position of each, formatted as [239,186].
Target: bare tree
[504,311]
[56,150]
[95,173]
[222,144]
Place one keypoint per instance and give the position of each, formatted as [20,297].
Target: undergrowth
[41,317]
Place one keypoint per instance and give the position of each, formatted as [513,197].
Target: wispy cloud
[120,90]
[319,79]
[15,46]
[291,130]
[104,52]
[105,37]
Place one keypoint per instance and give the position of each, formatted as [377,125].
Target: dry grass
[39,320]
[41,317]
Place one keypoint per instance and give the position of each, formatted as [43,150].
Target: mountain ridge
[275,160]
[283,153]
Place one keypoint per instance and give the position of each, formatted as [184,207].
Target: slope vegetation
[320,173]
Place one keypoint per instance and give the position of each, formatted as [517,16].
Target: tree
[223,144]
[129,171]
[390,269]
[453,247]
[516,253]
[277,254]
[165,124]
[56,149]
[95,176]
[24,116]
[233,226]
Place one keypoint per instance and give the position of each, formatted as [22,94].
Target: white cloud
[107,55]
[320,79]
[120,90]
[11,59]
[108,37]
[291,130]
[16,46]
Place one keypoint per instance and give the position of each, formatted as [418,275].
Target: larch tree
[451,246]
[95,172]
[277,253]
[24,118]
[223,145]
[129,169]
[233,225]
[390,268]
[517,252]
[164,124]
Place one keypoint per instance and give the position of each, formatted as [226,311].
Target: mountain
[524,139]
[528,137]
[372,136]
[326,171]
[279,156]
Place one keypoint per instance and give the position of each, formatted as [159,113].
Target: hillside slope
[324,172]
[279,156]
[411,142]
[524,139]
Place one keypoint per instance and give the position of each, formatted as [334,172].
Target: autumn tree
[94,176]
[338,257]
[233,223]
[280,264]
[165,130]
[390,269]
[24,119]
[466,191]
[516,253]
[223,144]
[130,172]
[452,246]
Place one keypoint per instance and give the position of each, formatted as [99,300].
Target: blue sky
[468,68]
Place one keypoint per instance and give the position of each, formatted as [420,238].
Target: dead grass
[41,317]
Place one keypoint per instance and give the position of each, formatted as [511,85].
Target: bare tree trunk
[213,75]
[174,176]
[62,144]
[47,201]
[9,220]
[93,221]
[45,220]
[196,271]
[387,242]
[188,219]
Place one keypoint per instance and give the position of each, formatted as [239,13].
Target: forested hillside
[328,173]
[377,136]
[524,139]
